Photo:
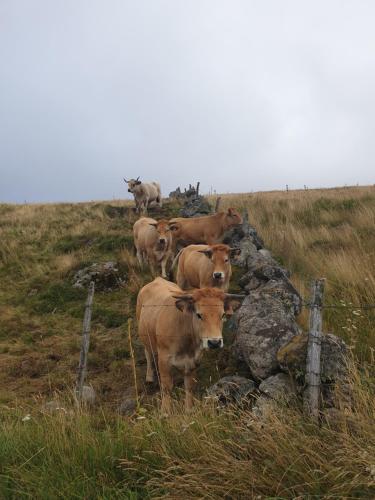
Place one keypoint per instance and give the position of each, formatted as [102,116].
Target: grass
[206,454]
[209,454]
[324,233]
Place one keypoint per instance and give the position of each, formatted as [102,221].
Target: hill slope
[211,454]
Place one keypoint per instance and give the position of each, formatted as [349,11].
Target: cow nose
[129,190]
[214,343]
[162,240]
[218,276]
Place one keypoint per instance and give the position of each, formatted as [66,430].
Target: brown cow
[144,193]
[201,266]
[209,229]
[153,242]
[175,327]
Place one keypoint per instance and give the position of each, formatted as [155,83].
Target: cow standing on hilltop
[144,193]
[153,242]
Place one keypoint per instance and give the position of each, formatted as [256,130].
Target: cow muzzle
[212,343]
[130,191]
[218,276]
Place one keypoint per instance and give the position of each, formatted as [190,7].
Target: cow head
[132,183]
[164,233]
[208,308]
[219,256]
[232,218]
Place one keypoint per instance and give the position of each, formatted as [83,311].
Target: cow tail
[175,260]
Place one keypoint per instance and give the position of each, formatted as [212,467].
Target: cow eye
[199,316]
[226,260]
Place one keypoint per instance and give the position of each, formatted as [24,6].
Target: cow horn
[234,296]
[137,179]
[125,180]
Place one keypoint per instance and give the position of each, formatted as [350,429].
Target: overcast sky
[241,95]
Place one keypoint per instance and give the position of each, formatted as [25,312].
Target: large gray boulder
[279,387]
[196,207]
[265,323]
[106,276]
[231,389]
[334,357]
[334,366]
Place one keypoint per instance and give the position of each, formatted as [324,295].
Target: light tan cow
[175,328]
[153,242]
[201,266]
[144,193]
[209,229]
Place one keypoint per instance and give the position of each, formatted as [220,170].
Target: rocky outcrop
[334,357]
[266,319]
[334,365]
[231,389]
[106,276]
[196,207]
[279,387]
[264,324]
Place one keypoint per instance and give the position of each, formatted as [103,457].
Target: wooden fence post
[312,377]
[133,363]
[217,205]
[82,367]
[197,189]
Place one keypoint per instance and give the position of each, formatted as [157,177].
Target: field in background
[324,233]
[208,454]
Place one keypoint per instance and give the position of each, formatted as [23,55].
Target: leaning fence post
[82,367]
[197,189]
[312,378]
[217,205]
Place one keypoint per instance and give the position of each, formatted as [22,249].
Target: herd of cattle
[177,321]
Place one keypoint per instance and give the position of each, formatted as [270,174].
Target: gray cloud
[242,95]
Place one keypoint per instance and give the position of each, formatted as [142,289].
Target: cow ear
[230,212]
[173,227]
[235,251]
[153,224]
[184,302]
[138,182]
[207,253]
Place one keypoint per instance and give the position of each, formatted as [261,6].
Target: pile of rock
[194,205]
[106,276]
[268,338]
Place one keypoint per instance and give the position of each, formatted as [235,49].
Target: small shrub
[70,243]
[57,297]
[108,317]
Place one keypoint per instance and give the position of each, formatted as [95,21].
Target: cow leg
[140,257]
[145,205]
[163,267]
[158,199]
[150,374]
[166,383]
[152,268]
[189,382]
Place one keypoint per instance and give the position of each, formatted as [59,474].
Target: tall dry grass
[324,233]
[209,453]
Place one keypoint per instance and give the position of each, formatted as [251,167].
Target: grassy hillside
[98,454]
